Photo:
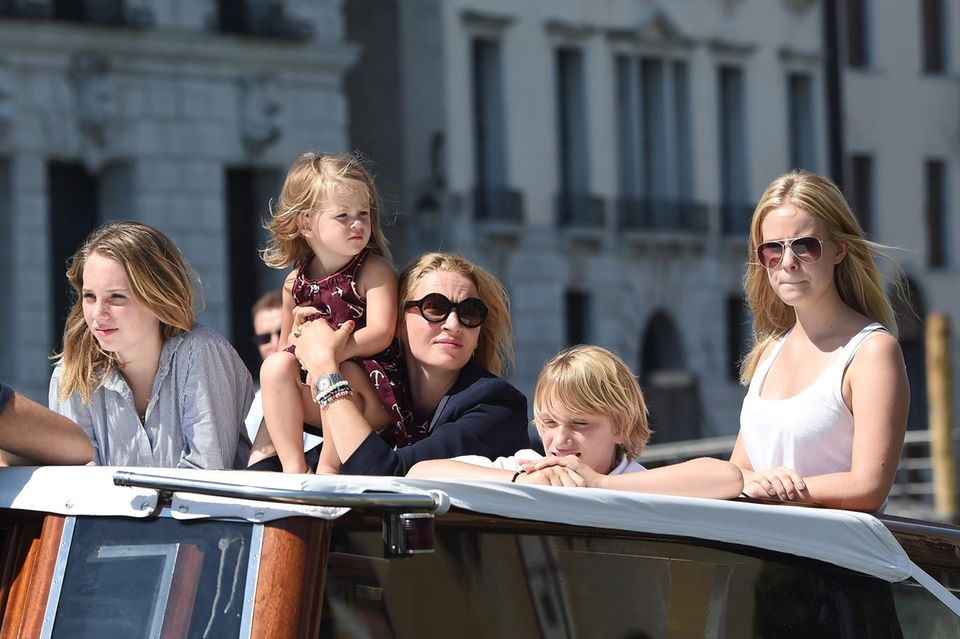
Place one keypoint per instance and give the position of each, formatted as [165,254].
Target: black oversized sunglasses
[437,308]
[262,339]
[807,249]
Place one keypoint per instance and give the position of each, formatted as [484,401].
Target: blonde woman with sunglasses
[825,414]
[456,338]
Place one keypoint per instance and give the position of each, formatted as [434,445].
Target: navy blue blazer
[481,415]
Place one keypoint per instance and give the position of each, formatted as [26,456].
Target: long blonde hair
[856,277]
[160,279]
[590,380]
[495,344]
[311,177]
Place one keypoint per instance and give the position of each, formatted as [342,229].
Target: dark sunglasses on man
[436,307]
[262,339]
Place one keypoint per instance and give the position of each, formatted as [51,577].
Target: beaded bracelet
[343,389]
[334,394]
[333,388]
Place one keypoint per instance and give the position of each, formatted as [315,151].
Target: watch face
[323,383]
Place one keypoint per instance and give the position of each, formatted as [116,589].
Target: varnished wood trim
[290,578]
[23,553]
[929,544]
[183,592]
[31,586]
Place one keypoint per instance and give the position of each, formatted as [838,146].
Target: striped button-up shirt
[200,396]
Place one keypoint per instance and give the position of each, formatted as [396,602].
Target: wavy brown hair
[857,277]
[160,279]
[311,177]
[495,343]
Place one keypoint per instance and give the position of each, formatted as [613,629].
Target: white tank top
[811,432]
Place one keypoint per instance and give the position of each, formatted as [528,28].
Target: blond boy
[591,416]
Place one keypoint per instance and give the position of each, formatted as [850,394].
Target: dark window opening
[248,195]
[74,213]
[933,36]
[936,214]
[856,23]
[577,306]
[861,190]
[803,151]
[260,18]
[735,207]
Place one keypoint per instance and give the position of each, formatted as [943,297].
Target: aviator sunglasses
[807,249]
[437,308]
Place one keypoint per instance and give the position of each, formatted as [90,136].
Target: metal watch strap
[325,382]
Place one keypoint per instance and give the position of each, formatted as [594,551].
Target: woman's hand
[585,476]
[320,349]
[780,483]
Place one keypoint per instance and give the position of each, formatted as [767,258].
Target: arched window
[672,391]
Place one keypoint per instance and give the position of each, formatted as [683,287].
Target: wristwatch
[325,382]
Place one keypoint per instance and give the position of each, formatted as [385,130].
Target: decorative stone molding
[486,21]
[96,105]
[799,6]
[730,48]
[654,28]
[731,5]
[568,30]
[800,58]
[259,113]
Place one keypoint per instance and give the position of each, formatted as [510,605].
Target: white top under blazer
[812,431]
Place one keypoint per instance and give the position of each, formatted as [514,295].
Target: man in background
[267,312]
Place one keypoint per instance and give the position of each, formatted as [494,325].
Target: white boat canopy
[852,540]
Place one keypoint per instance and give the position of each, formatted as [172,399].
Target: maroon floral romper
[337,299]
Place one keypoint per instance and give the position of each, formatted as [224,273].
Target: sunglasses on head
[807,249]
[262,339]
[437,308]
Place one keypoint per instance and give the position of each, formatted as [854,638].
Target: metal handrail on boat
[433,501]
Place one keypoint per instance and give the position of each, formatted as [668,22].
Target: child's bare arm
[702,477]
[378,284]
[450,469]
[286,319]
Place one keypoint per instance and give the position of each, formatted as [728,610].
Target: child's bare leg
[261,447]
[329,462]
[365,396]
[366,399]
[283,409]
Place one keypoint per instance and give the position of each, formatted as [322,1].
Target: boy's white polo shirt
[513,462]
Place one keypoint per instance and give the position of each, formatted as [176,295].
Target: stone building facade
[600,157]
[183,114]
[603,159]
[902,140]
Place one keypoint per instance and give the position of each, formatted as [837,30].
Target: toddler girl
[327,224]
